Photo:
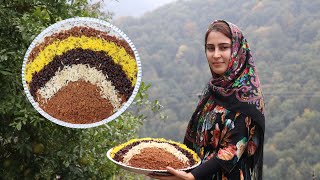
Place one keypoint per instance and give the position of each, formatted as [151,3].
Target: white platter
[147,171]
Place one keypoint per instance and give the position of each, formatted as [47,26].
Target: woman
[227,128]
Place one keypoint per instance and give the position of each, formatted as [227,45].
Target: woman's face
[218,51]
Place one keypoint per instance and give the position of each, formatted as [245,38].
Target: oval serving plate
[147,171]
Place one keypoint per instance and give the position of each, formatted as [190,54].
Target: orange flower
[252,130]
[215,137]
[227,153]
[248,122]
[210,156]
[252,147]
[219,109]
[224,177]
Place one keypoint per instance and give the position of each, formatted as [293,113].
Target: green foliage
[285,40]
[30,146]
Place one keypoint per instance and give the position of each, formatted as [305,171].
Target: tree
[30,146]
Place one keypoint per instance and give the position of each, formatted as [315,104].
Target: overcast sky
[134,8]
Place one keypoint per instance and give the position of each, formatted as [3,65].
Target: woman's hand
[176,175]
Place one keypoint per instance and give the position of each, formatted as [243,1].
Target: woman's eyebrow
[224,43]
[219,44]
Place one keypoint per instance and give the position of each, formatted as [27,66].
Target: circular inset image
[81,72]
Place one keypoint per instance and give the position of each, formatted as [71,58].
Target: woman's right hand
[176,175]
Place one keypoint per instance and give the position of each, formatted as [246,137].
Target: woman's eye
[210,48]
[223,48]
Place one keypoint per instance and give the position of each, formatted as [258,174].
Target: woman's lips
[217,63]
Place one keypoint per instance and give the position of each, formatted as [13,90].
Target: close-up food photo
[81,72]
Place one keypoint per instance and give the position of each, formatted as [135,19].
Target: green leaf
[18,126]
[6,73]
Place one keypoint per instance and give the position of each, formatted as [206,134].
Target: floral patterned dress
[229,138]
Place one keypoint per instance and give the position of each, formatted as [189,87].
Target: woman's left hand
[176,175]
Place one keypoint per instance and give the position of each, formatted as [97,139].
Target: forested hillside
[285,39]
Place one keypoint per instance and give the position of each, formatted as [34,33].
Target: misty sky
[132,7]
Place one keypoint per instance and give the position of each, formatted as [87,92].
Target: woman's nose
[216,54]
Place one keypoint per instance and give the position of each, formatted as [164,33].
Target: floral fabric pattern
[229,136]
